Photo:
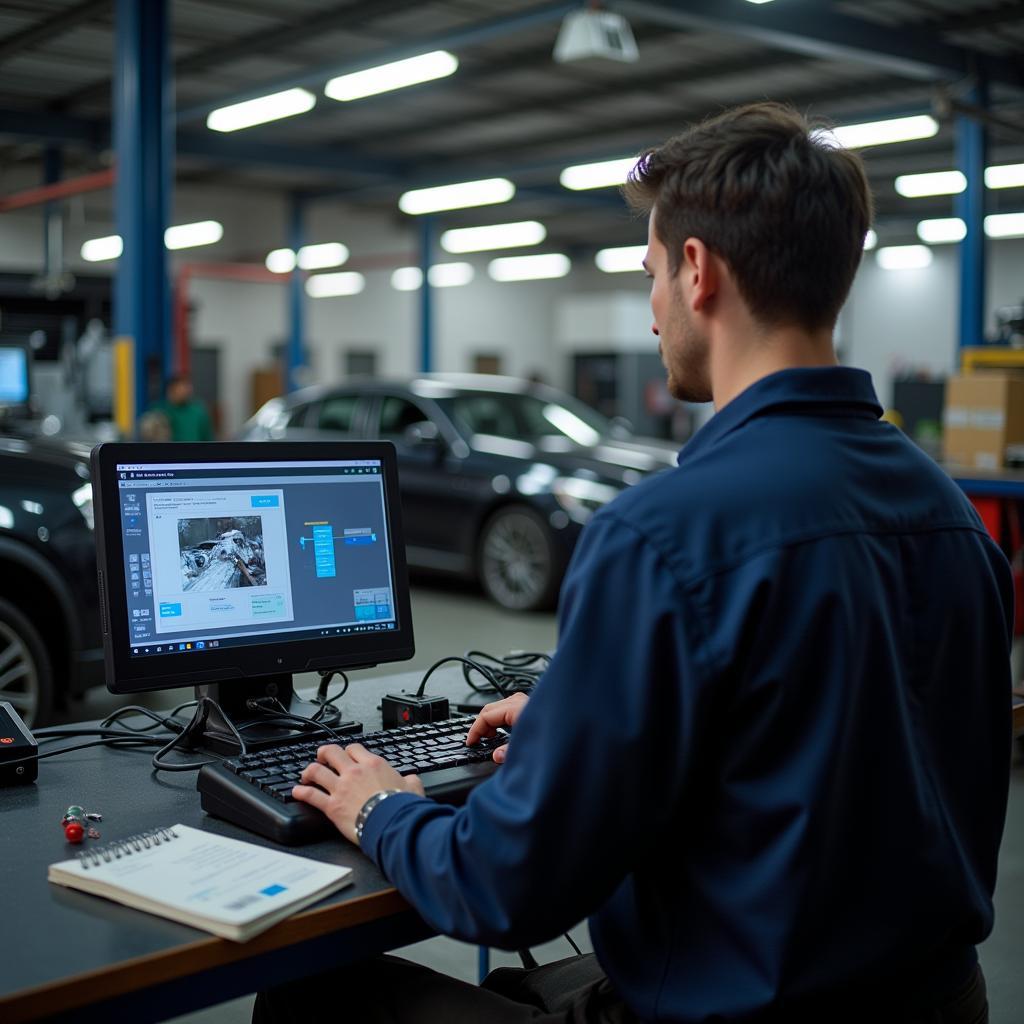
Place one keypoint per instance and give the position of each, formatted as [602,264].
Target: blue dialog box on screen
[323,551]
[169,610]
[264,501]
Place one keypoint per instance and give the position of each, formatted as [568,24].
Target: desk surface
[64,950]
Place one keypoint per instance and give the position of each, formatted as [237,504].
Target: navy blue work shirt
[770,758]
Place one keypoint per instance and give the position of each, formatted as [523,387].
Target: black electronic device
[398,709]
[232,566]
[19,752]
[255,790]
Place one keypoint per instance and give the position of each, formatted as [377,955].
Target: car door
[434,512]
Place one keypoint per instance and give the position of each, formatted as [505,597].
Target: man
[186,415]
[770,757]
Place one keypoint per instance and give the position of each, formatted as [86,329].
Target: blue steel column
[971,153]
[143,104]
[426,295]
[296,295]
[53,214]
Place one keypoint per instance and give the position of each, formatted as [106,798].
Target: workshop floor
[451,619]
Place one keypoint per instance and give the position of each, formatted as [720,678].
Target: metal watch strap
[367,808]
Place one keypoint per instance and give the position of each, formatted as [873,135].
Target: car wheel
[26,677]
[516,562]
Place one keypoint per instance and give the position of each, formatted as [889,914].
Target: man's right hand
[501,714]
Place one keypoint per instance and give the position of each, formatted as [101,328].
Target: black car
[497,475]
[50,640]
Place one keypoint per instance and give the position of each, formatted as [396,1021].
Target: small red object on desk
[74,832]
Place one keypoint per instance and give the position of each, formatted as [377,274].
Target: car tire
[516,560]
[26,674]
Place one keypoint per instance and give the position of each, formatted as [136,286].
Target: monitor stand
[209,728]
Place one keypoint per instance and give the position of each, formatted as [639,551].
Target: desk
[68,952]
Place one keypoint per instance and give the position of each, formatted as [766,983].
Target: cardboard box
[984,413]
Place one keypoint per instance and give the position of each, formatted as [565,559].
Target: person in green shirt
[186,415]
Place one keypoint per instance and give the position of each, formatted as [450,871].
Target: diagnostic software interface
[234,553]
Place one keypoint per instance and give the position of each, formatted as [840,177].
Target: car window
[337,413]
[397,415]
[488,414]
[297,416]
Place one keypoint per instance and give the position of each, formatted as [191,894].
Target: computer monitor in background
[15,378]
[232,566]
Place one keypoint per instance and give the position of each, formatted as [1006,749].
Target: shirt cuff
[379,819]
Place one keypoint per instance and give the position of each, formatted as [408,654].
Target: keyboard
[254,790]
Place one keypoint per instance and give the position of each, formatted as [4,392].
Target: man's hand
[500,714]
[347,777]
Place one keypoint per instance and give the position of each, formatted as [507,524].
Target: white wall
[892,320]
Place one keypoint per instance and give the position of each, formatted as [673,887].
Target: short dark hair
[773,196]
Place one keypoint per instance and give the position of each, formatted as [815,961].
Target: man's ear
[698,274]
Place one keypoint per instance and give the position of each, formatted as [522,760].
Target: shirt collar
[802,386]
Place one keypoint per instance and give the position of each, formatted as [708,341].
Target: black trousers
[389,990]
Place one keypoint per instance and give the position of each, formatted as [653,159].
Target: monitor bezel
[127,674]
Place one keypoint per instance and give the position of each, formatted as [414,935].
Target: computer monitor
[232,566]
[15,377]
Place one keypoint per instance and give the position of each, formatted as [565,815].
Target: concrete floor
[450,619]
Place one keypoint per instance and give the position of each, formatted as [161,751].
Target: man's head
[759,195]
[179,389]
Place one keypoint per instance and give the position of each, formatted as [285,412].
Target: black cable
[110,741]
[579,952]
[476,666]
[167,721]
[321,692]
[201,713]
[257,704]
[515,673]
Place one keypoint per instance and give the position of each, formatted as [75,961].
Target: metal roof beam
[272,40]
[803,26]
[56,25]
[475,33]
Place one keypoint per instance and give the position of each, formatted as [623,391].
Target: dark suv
[50,640]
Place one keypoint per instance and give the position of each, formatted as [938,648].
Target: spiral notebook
[225,886]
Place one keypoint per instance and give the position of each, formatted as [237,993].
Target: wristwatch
[367,808]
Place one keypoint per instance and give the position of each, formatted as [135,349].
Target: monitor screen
[249,558]
[14,369]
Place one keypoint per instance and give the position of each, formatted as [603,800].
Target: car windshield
[525,417]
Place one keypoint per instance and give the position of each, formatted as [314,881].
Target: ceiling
[510,109]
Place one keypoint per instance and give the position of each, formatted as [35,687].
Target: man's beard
[686,358]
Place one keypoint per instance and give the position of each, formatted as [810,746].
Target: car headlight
[82,497]
[582,498]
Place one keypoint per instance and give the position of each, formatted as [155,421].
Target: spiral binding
[125,847]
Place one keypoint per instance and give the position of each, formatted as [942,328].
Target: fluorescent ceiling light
[1004,225]
[621,259]
[407,279]
[882,133]
[98,249]
[327,254]
[1005,176]
[599,175]
[397,75]
[871,239]
[323,286]
[941,230]
[529,268]
[259,111]
[759,1]
[904,257]
[188,236]
[450,275]
[494,236]
[937,183]
[458,196]
[280,261]
[441,275]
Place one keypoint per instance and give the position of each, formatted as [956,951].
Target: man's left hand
[347,777]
